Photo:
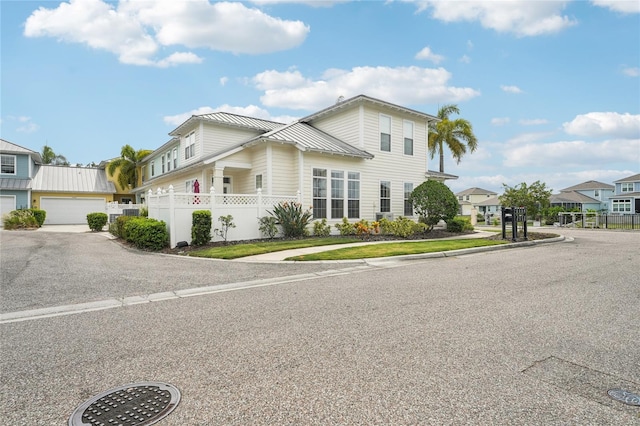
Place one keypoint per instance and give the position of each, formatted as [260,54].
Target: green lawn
[368,251]
[250,249]
[397,249]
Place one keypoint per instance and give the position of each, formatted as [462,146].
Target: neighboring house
[68,194]
[490,205]
[360,158]
[590,195]
[626,199]
[471,198]
[17,167]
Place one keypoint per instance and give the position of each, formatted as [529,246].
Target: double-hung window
[337,194]
[385,133]
[258,182]
[408,207]
[8,164]
[626,187]
[168,161]
[319,193]
[190,145]
[408,137]
[353,194]
[385,196]
[162,161]
[153,168]
[175,158]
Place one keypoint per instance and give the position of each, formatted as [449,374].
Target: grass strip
[397,249]
[236,251]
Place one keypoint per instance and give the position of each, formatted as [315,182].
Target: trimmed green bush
[40,216]
[97,221]
[146,234]
[118,227]
[345,228]
[459,225]
[200,227]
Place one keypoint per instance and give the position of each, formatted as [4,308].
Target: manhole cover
[138,404]
[624,397]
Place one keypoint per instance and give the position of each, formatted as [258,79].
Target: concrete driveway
[527,336]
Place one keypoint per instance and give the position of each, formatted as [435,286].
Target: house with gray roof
[17,167]
[589,195]
[626,199]
[360,158]
[472,198]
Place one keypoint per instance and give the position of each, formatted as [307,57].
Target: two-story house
[626,199]
[360,158]
[476,198]
[17,168]
[589,195]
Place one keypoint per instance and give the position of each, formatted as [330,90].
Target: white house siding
[285,169]
[218,137]
[342,126]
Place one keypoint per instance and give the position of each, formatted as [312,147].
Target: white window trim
[626,187]
[15,164]
[380,132]
[404,199]
[380,196]
[413,139]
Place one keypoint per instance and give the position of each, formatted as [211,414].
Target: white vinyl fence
[176,208]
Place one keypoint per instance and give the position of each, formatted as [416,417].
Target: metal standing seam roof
[8,184]
[232,120]
[11,148]
[71,179]
[311,139]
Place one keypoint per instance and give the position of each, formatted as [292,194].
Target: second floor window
[385,133]
[8,164]
[190,145]
[162,161]
[624,187]
[169,161]
[175,158]
[408,138]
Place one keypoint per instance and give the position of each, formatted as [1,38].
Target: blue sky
[552,88]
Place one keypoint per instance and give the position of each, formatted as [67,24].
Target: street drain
[139,404]
[624,397]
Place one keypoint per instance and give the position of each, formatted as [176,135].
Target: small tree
[226,222]
[534,197]
[434,201]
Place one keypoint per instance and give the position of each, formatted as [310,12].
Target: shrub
[144,211]
[459,225]
[434,201]
[386,226]
[345,228]
[97,221]
[267,226]
[226,222]
[403,227]
[321,229]
[20,219]
[40,216]
[292,218]
[200,227]
[148,234]
[118,227]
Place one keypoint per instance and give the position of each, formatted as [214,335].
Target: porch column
[218,179]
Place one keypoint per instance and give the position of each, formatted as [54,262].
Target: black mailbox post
[514,215]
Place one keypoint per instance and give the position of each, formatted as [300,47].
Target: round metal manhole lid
[624,397]
[138,404]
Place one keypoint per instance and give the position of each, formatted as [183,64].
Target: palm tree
[50,157]
[456,134]
[127,165]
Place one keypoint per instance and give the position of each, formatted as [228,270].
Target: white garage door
[7,204]
[70,211]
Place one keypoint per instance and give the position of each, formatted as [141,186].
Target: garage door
[7,204]
[70,211]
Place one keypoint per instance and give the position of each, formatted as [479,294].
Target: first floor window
[337,194]
[353,194]
[621,206]
[408,207]
[319,193]
[385,196]
[8,164]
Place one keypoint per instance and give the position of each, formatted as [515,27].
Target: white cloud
[136,30]
[25,124]
[465,59]
[511,89]
[312,3]
[622,6]
[224,81]
[572,153]
[428,55]
[609,124]
[520,17]
[533,121]
[402,85]
[500,121]
[631,71]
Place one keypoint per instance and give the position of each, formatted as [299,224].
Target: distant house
[626,199]
[68,194]
[473,197]
[360,158]
[589,195]
[17,167]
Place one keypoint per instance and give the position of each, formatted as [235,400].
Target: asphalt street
[533,335]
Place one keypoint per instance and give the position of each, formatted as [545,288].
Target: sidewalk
[281,255]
